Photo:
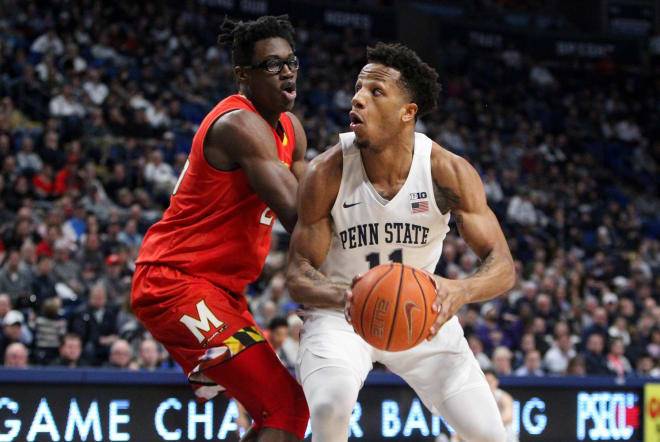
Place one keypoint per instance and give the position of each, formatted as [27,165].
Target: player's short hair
[243,35]
[417,77]
[488,371]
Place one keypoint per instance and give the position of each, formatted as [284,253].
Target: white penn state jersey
[368,230]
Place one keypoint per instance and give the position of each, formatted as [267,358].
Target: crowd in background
[98,105]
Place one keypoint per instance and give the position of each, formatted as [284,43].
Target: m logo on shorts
[206,319]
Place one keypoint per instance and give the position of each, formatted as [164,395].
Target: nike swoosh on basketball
[346,205]
[409,307]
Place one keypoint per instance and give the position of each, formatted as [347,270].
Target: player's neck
[389,163]
[271,117]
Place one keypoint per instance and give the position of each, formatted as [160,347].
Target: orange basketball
[392,306]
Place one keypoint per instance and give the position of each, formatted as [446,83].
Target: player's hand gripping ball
[392,306]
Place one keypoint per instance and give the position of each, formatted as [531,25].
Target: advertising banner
[94,412]
[652,413]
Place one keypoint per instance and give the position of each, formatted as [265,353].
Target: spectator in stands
[276,296]
[70,352]
[531,365]
[502,361]
[617,363]
[653,346]
[16,355]
[66,104]
[619,329]
[121,356]
[110,244]
[116,284]
[527,344]
[646,367]
[43,283]
[278,330]
[159,174]
[576,366]
[15,278]
[521,210]
[72,63]
[504,404]
[478,351]
[611,304]
[599,325]
[595,362]
[489,332]
[49,327]
[67,179]
[65,270]
[292,341]
[5,306]
[130,236]
[148,355]
[48,43]
[90,253]
[561,352]
[51,152]
[469,319]
[27,159]
[95,89]
[96,324]
[12,325]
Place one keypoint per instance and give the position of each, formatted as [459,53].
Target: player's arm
[243,139]
[298,161]
[458,187]
[311,237]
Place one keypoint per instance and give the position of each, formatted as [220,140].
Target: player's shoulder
[294,120]
[449,167]
[237,134]
[325,169]
[327,165]
[241,120]
[240,123]
[298,129]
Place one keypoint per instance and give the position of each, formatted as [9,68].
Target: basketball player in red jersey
[195,263]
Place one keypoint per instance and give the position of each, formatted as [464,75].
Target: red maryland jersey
[216,226]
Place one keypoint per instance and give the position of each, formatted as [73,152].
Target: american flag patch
[420,206]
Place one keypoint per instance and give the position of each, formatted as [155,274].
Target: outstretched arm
[243,139]
[458,188]
[312,235]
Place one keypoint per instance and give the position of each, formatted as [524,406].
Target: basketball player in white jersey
[385,193]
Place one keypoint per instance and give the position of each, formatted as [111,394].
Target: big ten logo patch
[378,322]
[418,196]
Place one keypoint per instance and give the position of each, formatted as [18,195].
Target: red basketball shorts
[214,338]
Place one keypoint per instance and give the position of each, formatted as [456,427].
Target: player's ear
[408,112]
[241,73]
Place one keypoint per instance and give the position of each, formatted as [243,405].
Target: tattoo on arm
[486,264]
[314,274]
[319,279]
[445,198]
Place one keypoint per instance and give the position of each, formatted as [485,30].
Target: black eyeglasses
[275,65]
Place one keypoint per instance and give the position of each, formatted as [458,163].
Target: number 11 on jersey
[374,258]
